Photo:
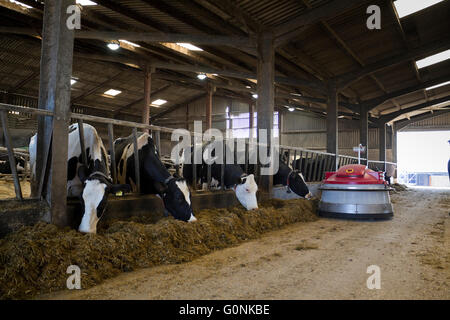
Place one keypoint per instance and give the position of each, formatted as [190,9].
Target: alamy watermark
[74,280]
[208,147]
[374,281]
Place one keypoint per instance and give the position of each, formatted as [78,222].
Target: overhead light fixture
[340,117]
[438,85]
[21,4]
[86,3]
[114,45]
[291,109]
[435,58]
[406,7]
[72,81]
[248,87]
[255,96]
[112,92]
[201,76]
[159,102]
[130,43]
[189,46]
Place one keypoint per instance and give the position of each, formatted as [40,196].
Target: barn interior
[325,75]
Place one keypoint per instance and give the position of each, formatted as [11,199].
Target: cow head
[246,192]
[296,183]
[96,186]
[177,199]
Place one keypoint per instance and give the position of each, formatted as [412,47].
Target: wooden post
[137,171]
[54,95]
[332,119]
[382,144]
[364,131]
[208,121]
[147,96]
[266,96]
[251,119]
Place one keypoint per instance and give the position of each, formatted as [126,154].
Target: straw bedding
[34,259]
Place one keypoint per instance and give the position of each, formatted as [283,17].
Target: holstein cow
[235,178]
[292,179]
[91,184]
[5,165]
[154,177]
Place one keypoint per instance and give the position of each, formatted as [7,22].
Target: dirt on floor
[325,259]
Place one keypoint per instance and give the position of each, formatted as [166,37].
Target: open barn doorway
[423,158]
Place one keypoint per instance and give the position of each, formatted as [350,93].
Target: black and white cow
[293,180]
[154,176]
[244,185]
[5,165]
[91,184]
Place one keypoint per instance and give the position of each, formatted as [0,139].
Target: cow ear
[83,173]
[115,188]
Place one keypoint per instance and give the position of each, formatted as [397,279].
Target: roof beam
[393,115]
[312,16]
[403,123]
[372,103]
[346,79]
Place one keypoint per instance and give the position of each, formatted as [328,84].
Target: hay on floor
[34,259]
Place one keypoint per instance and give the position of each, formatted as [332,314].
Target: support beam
[313,16]
[373,103]
[266,97]
[364,131]
[147,97]
[251,118]
[394,143]
[332,119]
[54,95]
[382,144]
[399,125]
[208,105]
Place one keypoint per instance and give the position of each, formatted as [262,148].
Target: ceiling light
[201,76]
[86,3]
[340,117]
[435,58]
[21,4]
[130,43]
[438,85]
[407,7]
[112,92]
[291,109]
[248,87]
[189,46]
[113,46]
[159,102]
[255,96]
[72,81]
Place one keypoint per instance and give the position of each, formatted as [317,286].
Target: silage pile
[399,187]
[35,259]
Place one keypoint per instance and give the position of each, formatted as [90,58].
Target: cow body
[293,180]
[5,166]
[235,178]
[92,183]
[154,176]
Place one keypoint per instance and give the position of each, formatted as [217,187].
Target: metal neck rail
[312,164]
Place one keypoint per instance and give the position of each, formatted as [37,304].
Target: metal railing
[312,164]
